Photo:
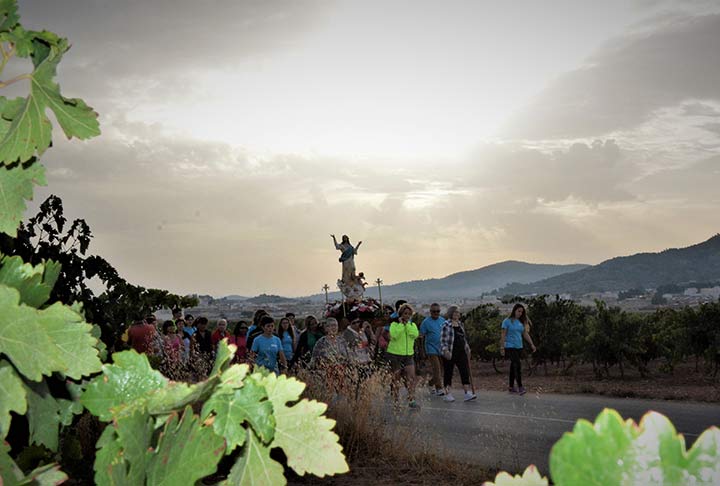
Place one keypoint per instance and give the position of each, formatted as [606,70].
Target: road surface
[511,432]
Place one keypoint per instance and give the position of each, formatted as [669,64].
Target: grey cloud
[621,85]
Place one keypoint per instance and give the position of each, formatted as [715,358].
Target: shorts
[398,362]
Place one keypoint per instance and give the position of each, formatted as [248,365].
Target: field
[684,384]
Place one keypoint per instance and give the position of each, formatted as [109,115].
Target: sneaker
[413,404]
[433,391]
[449,398]
[440,393]
[470,396]
[521,390]
[512,390]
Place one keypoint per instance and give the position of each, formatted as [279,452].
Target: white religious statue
[350,285]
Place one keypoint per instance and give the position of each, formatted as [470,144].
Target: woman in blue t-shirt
[514,329]
[286,333]
[267,348]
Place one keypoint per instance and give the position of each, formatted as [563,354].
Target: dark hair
[289,329]
[289,314]
[399,303]
[189,316]
[176,310]
[266,319]
[167,325]
[524,317]
[258,314]
[307,321]
[150,318]
[201,320]
[236,331]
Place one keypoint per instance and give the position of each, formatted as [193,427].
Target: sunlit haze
[238,135]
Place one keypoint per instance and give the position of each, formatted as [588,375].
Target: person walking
[430,330]
[239,339]
[514,329]
[456,354]
[307,340]
[220,333]
[266,348]
[401,351]
[286,333]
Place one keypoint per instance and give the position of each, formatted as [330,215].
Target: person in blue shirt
[267,348]
[514,329]
[286,333]
[431,329]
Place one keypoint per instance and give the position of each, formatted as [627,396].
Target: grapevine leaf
[10,473]
[49,475]
[224,354]
[186,452]
[67,409]
[20,38]
[135,434]
[128,379]
[30,129]
[110,468]
[12,396]
[8,15]
[531,477]
[43,341]
[16,186]
[248,404]
[255,467]
[43,416]
[233,377]
[33,283]
[705,457]
[302,431]
[594,451]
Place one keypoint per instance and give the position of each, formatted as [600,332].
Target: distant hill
[471,283]
[269,299]
[697,263]
[234,298]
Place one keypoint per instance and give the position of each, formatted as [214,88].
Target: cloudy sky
[237,135]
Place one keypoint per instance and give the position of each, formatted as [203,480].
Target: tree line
[607,337]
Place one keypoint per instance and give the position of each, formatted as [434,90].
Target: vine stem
[5,84]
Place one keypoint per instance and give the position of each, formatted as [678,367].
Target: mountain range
[471,283]
[696,263]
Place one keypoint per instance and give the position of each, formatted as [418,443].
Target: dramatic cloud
[238,135]
[623,84]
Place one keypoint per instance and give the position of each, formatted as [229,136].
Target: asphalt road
[511,432]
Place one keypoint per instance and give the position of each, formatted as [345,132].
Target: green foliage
[47,237]
[16,183]
[531,477]
[239,410]
[25,129]
[614,451]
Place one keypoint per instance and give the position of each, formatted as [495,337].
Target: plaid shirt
[447,337]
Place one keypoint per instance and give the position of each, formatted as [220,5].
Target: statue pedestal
[362,308]
[352,292]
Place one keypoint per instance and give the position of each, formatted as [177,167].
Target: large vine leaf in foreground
[16,186]
[613,451]
[35,283]
[302,431]
[247,404]
[128,378]
[30,130]
[12,396]
[255,467]
[186,452]
[40,342]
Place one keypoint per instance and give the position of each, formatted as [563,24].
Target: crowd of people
[184,348]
